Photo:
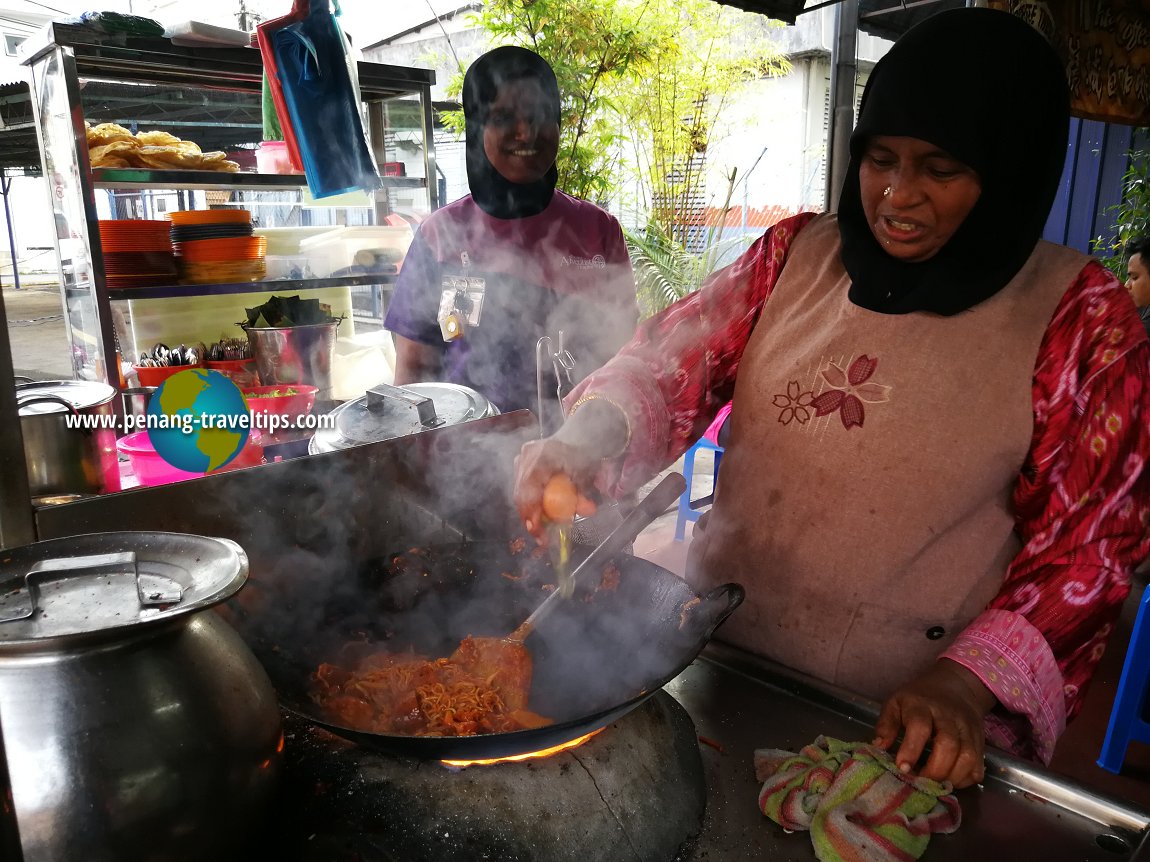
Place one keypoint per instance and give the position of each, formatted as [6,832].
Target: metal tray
[1021,811]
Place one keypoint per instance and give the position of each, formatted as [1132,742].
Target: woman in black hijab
[933,488]
[498,85]
[1018,155]
[490,274]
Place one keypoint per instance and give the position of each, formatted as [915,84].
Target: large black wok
[603,652]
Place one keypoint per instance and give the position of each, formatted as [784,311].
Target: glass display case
[211,96]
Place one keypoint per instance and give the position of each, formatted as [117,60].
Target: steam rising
[322,535]
[540,276]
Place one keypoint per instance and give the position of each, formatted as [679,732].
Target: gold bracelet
[595,396]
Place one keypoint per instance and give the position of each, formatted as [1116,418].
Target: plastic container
[272,158]
[299,403]
[149,467]
[337,249]
[287,355]
[286,240]
[154,376]
[147,464]
[288,266]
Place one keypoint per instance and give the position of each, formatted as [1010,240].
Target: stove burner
[633,792]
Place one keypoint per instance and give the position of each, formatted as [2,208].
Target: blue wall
[1091,182]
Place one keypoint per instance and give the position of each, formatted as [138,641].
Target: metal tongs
[562,363]
[661,497]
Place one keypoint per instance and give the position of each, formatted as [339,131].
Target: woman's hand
[596,431]
[538,461]
[944,707]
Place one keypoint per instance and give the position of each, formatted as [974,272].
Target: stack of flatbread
[113,146]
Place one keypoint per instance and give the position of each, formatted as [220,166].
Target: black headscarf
[496,195]
[985,87]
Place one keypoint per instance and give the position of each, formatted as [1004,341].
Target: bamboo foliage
[1131,216]
[677,109]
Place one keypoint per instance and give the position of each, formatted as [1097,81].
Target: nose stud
[886,192]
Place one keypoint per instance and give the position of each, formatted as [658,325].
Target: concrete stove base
[633,793]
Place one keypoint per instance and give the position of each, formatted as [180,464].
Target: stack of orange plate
[137,253]
[184,218]
[228,254]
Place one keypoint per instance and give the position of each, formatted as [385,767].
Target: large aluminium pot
[65,460]
[137,725]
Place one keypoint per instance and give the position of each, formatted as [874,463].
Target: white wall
[789,117]
[770,114]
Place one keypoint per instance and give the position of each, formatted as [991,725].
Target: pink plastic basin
[151,469]
[147,465]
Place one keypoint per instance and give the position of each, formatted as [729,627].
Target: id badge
[460,305]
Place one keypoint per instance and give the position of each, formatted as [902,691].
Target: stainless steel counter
[1021,812]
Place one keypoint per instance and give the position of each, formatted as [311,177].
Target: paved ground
[36,329]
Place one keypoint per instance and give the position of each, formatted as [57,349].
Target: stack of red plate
[217,246]
[137,253]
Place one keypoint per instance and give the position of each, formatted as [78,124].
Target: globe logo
[198,420]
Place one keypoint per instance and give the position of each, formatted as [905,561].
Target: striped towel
[856,804]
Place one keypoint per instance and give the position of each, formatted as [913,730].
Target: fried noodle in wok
[482,688]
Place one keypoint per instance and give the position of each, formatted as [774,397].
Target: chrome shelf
[271,286]
[142,178]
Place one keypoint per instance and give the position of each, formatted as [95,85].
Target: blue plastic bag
[317,88]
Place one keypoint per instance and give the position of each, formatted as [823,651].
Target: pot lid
[82,586]
[386,412]
[54,396]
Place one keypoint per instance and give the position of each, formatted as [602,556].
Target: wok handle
[733,594]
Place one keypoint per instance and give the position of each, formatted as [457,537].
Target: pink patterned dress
[1081,501]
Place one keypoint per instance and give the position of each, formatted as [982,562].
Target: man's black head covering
[988,89]
[495,194]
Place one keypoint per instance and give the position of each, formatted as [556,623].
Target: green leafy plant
[665,272]
[675,111]
[1131,216]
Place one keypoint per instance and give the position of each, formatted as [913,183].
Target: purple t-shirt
[564,269]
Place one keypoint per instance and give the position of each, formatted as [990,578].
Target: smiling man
[1138,277]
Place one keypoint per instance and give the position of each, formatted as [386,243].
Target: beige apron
[866,549]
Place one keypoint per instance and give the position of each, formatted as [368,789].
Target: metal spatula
[649,508]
